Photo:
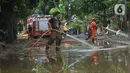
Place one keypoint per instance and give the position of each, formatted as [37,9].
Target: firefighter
[66,28]
[89,31]
[54,24]
[93,30]
[30,31]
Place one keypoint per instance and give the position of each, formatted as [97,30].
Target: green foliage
[102,10]
[12,12]
[3,1]
[53,10]
[21,9]
[37,11]
[79,24]
[83,23]
[128,5]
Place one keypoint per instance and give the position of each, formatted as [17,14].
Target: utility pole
[69,11]
[0,8]
[125,27]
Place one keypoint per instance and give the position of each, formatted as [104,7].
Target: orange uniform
[93,28]
[95,57]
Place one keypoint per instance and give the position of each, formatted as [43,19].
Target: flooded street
[13,64]
[64,36]
[73,58]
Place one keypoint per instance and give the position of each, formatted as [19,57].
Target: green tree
[11,12]
[53,10]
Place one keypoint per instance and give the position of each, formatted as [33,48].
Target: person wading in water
[54,24]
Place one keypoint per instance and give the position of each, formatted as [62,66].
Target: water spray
[85,43]
[117,32]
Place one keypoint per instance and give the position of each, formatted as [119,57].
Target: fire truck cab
[40,25]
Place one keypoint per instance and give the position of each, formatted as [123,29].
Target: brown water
[13,64]
[74,59]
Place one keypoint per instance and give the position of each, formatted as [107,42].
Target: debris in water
[67,45]
[34,69]
[21,58]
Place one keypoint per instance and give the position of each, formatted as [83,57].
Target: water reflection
[56,62]
[49,63]
[105,62]
[79,59]
[12,64]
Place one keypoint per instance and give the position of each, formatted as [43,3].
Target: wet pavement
[73,58]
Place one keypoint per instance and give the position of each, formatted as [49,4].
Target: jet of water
[117,32]
[120,33]
[83,42]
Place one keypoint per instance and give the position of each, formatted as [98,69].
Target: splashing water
[83,42]
[92,50]
[117,32]
[92,46]
[121,33]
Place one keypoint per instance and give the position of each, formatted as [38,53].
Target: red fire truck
[39,25]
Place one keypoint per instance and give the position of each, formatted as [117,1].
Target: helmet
[93,19]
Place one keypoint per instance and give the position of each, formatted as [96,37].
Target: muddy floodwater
[74,58]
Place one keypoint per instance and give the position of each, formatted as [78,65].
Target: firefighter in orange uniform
[93,30]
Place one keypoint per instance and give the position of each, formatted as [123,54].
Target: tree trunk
[128,22]
[8,25]
[10,37]
[104,18]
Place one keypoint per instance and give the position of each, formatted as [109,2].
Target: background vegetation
[14,13]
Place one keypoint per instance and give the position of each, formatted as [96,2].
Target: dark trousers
[54,36]
[89,35]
